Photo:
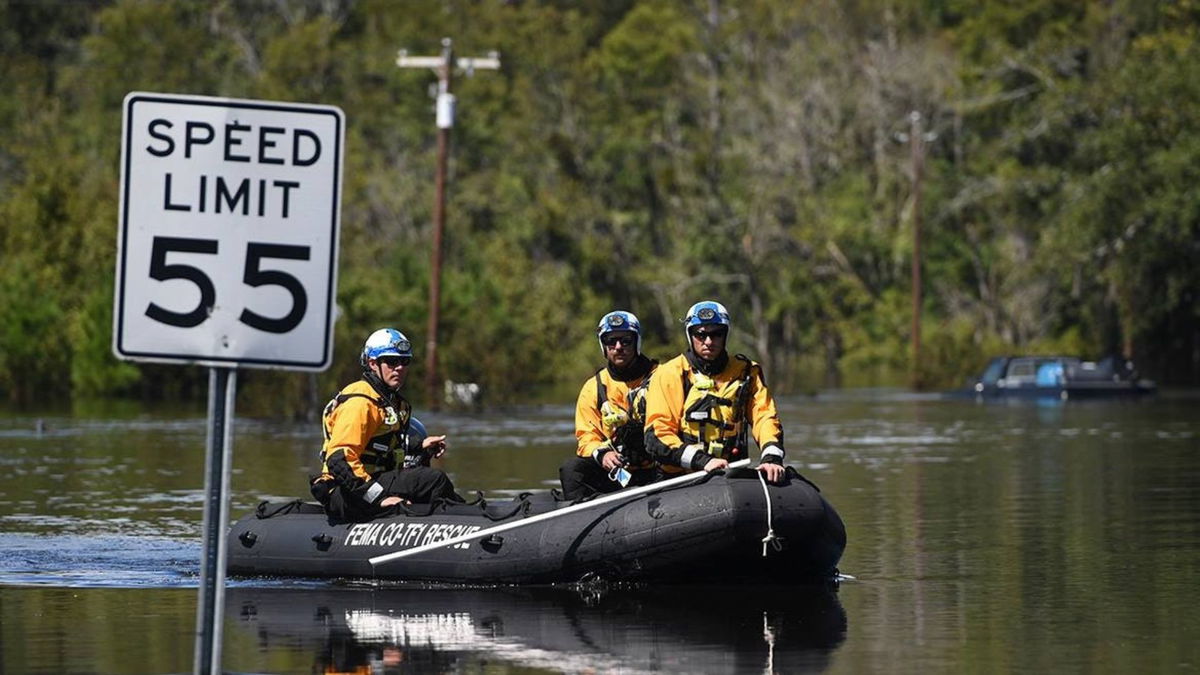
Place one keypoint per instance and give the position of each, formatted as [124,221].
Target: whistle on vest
[717,448]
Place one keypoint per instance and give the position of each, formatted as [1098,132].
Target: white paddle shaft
[606,499]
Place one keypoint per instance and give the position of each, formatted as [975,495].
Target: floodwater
[1033,536]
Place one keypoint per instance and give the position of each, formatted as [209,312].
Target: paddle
[616,496]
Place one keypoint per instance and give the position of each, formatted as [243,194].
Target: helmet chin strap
[706,366]
[638,366]
[375,379]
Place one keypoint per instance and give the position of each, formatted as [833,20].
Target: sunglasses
[702,335]
[626,340]
[394,361]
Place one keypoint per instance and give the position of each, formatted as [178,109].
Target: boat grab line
[771,540]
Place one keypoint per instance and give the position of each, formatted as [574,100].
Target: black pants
[418,484]
[584,477]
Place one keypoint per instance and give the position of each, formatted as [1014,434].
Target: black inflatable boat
[731,527]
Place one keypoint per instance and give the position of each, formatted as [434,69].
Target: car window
[994,371]
[1022,368]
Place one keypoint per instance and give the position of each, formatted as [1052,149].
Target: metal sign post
[226,257]
[222,388]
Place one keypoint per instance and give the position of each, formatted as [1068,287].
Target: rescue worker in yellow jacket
[610,451]
[376,454]
[702,406]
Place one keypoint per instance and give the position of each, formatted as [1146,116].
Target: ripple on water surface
[91,561]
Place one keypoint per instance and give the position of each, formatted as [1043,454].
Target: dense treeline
[644,155]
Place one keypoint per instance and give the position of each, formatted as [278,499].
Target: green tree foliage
[645,154]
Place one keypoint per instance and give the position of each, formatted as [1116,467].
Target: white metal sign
[227,249]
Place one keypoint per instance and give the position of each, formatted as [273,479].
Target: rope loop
[770,540]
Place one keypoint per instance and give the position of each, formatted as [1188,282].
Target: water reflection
[568,630]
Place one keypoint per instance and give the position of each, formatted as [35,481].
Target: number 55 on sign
[228,237]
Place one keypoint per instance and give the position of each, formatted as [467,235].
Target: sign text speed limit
[227,249]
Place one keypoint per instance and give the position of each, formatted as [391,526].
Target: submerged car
[1061,376]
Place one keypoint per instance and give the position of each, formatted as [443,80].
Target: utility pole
[442,65]
[917,137]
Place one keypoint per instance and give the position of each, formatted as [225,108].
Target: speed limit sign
[228,237]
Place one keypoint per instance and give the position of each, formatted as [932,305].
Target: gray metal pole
[222,385]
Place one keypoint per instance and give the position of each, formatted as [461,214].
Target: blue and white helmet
[414,455]
[416,430]
[385,342]
[619,320]
[705,313]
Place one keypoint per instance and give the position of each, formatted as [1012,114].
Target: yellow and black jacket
[363,430]
[610,412]
[692,418]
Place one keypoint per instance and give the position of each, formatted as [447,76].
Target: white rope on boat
[770,539]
